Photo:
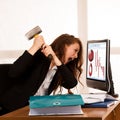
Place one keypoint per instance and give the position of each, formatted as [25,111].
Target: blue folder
[105,104]
[55,100]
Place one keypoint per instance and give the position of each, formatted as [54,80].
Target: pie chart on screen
[91,55]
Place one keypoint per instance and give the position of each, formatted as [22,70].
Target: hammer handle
[50,57]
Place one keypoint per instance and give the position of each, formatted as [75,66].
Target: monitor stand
[111,84]
[111,91]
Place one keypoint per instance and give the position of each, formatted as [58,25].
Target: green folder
[55,100]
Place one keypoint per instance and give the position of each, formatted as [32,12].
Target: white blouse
[48,79]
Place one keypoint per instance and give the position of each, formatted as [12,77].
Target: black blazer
[26,75]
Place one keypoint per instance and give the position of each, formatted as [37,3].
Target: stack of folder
[55,105]
[98,100]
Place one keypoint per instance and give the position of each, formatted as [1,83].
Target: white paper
[93,97]
[56,110]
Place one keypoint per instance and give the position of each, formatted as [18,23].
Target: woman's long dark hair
[58,46]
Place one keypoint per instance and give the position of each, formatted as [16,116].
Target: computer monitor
[98,68]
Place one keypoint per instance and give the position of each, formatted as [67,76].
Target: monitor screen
[96,60]
[98,57]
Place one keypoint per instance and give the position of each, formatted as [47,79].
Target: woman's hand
[47,50]
[37,44]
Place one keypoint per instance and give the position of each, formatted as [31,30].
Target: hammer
[33,33]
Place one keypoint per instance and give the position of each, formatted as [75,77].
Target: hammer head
[32,33]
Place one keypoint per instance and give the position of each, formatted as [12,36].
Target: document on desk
[55,105]
[93,97]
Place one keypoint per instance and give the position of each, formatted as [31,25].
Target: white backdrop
[17,17]
[55,17]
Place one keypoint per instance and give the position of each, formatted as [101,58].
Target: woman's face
[71,52]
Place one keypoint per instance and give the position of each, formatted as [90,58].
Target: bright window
[104,23]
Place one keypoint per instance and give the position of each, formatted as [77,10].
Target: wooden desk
[111,113]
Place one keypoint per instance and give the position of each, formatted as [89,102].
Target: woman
[34,73]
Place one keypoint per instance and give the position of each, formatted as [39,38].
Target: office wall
[55,17]
[17,17]
[82,32]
